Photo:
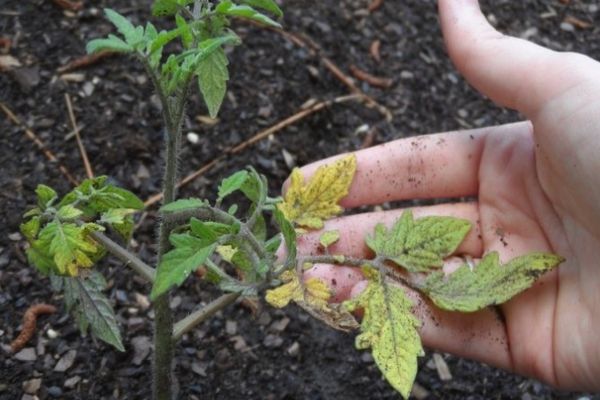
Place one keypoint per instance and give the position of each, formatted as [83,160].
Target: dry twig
[256,138]
[370,79]
[38,142]
[29,323]
[69,5]
[85,61]
[84,156]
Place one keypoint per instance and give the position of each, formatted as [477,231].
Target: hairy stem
[130,259]
[201,315]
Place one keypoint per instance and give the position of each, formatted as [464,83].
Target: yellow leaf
[390,329]
[314,292]
[308,205]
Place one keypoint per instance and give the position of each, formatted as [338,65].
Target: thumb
[513,72]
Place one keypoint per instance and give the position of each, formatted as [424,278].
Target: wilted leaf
[308,205]
[93,308]
[389,328]
[69,246]
[489,283]
[313,292]
[421,244]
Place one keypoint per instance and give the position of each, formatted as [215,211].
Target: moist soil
[272,354]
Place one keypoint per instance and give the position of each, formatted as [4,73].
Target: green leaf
[45,195]
[389,328]
[131,34]
[31,228]
[68,245]
[419,245]
[252,187]
[38,255]
[187,38]
[328,238]
[289,236]
[112,43]
[212,80]
[177,265]
[116,215]
[231,184]
[68,212]
[95,308]
[203,230]
[272,245]
[233,10]
[489,283]
[184,205]
[267,5]
[168,7]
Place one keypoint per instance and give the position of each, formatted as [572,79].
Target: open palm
[537,188]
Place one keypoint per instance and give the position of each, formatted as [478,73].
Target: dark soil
[278,354]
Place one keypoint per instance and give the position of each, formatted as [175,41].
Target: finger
[430,166]
[513,72]
[353,229]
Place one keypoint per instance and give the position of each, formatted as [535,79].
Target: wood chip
[419,392]
[370,79]
[85,61]
[441,367]
[374,50]
[8,62]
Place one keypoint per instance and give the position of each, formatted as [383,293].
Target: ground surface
[281,354]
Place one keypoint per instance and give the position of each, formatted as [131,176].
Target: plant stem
[197,317]
[163,320]
[130,259]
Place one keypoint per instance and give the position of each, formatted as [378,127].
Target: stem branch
[130,259]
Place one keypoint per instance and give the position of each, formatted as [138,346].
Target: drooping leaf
[45,196]
[328,238]
[489,283]
[184,205]
[267,5]
[95,309]
[179,263]
[309,204]
[69,246]
[112,43]
[234,10]
[231,184]
[212,80]
[389,328]
[421,244]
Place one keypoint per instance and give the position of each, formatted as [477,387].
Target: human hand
[537,185]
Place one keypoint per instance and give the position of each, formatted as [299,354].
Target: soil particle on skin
[271,78]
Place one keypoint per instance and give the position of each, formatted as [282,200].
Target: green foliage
[168,7]
[267,5]
[84,298]
[230,9]
[489,283]
[419,245]
[390,330]
[183,205]
[328,238]
[232,184]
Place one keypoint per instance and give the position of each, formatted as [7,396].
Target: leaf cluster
[202,30]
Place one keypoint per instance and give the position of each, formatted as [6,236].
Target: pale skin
[537,188]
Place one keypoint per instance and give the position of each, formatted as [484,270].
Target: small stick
[374,6]
[69,4]
[35,139]
[85,61]
[29,324]
[256,138]
[370,79]
[84,156]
